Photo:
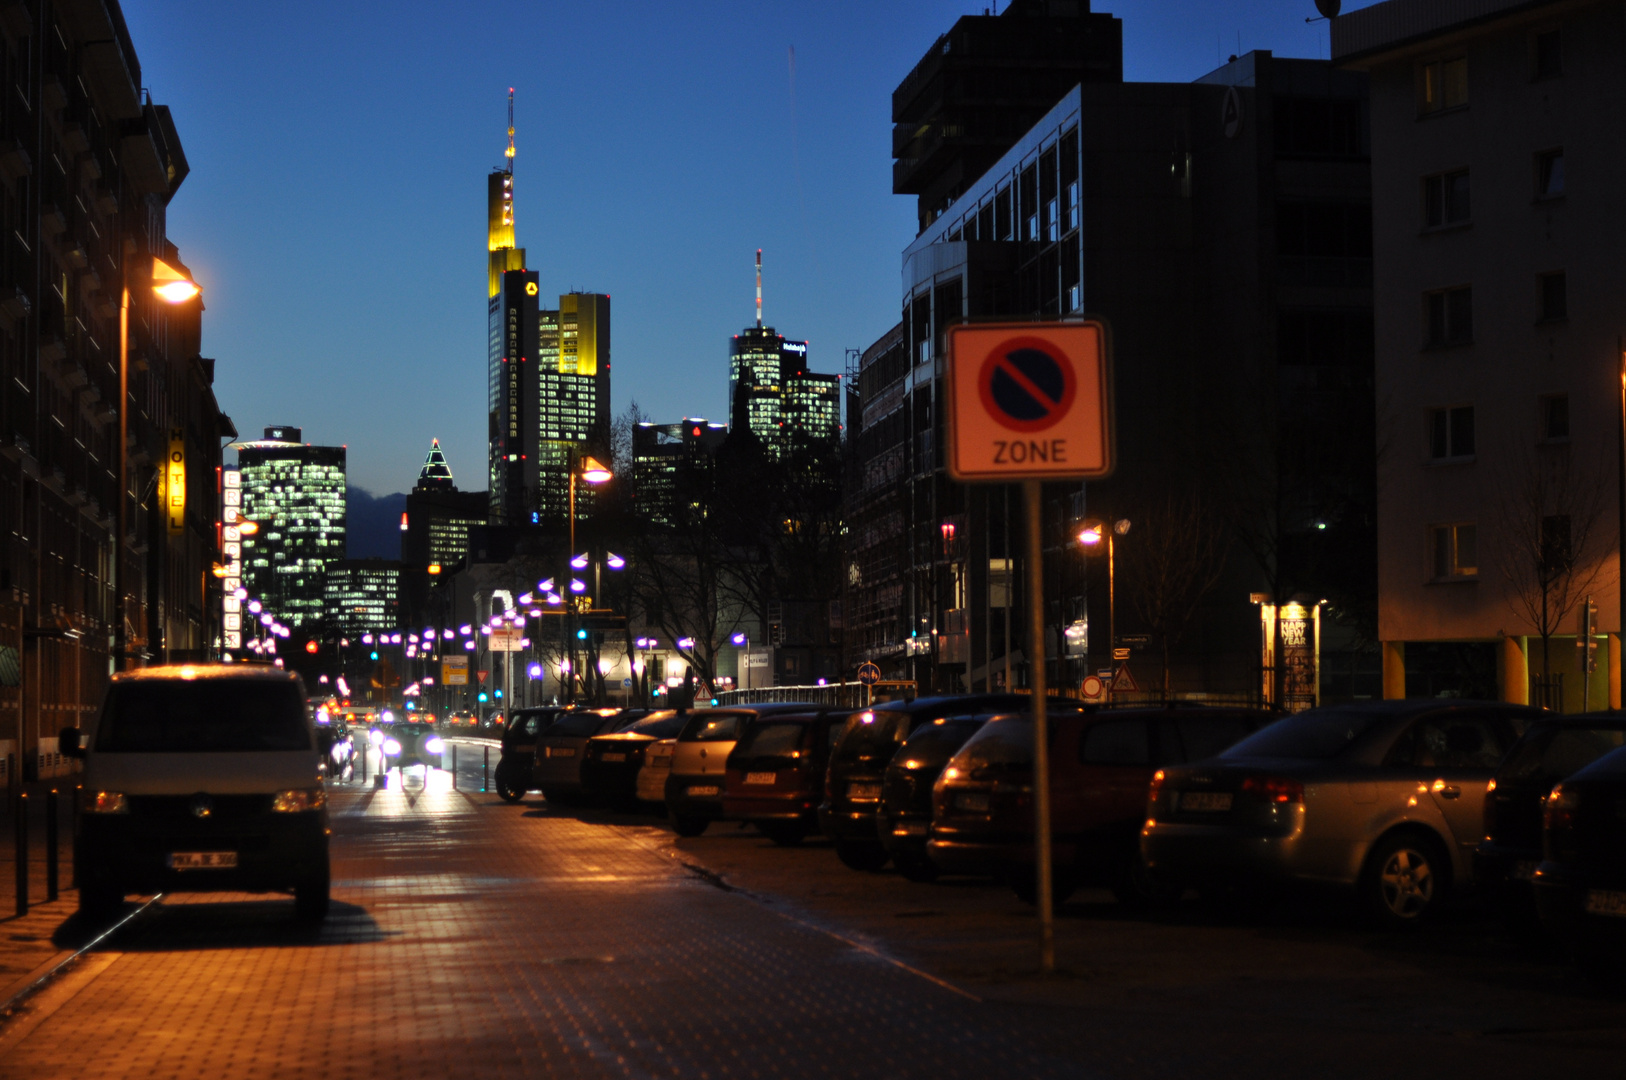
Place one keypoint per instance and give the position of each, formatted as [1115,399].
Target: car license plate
[561,751]
[863,791]
[613,757]
[913,828]
[1524,870]
[1606,902]
[1205,802]
[704,789]
[202,860]
[974,801]
[761,777]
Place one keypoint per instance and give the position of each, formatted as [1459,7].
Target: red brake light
[1273,789]
[1157,786]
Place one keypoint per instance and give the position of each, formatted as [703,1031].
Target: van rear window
[203,716]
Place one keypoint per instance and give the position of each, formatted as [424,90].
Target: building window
[1555,418]
[1550,174]
[1548,55]
[1554,297]
[1449,315]
[1451,433]
[1556,554]
[1445,199]
[1453,551]
[1443,85]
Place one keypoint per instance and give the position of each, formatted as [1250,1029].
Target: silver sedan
[1386,797]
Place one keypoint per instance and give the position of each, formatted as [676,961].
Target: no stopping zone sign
[1029,401]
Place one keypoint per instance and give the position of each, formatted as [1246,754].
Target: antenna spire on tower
[759,288]
[510,151]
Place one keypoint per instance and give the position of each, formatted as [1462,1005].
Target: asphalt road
[470,937]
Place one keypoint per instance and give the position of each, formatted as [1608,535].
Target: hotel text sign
[1029,401]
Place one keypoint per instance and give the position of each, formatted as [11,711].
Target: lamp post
[172,287]
[1091,536]
[595,472]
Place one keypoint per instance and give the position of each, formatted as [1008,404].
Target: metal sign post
[1032,402]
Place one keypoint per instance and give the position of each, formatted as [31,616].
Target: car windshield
[935,743]
[712,727]
[413,729]
[1002,745]
[663,725]
[213,715]
[773,739]
[1555,751]
[872,735]
[577,725]
[1310,736]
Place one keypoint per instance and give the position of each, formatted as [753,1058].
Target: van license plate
[863,791]
[1606,902]
[760,777]
[707,789]
[203,860]
[1205,802]
[561,751]
[613,757]
[976,802]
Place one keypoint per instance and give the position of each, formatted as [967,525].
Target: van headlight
[299,800]
[433,744]
[105,802]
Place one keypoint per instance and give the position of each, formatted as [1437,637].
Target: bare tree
[621,437]
[1176,559]
[1553,543]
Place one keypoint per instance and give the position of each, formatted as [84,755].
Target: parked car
[904,819]
[1552,748]
[1580,884]
[201,778]
[852,788]
[694,785]
[1386,798]
[408,743]
[611,763]
[774,776]
[558,760]
[656,768]
[517,763]
[1101,762]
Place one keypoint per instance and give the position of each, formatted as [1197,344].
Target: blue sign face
[1026,387]
[869,674]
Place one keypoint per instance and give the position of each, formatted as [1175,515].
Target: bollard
[50,846]
[454,766]
[22,854]
[485,771]
[365,743]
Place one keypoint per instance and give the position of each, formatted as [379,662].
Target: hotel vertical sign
[175,482]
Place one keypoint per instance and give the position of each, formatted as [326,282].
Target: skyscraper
[573,397]
[667,460]
[513,396]
[439,517]
[770,391]
[294,493]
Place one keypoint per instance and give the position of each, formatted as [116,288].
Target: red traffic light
[311,646]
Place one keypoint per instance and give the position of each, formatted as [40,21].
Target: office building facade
[1497,272]
[438,517]
[295,495]
[573,399]
[669,463]
[362,596]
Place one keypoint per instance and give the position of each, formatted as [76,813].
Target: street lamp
[1091,536]
[593,471]
[172,287]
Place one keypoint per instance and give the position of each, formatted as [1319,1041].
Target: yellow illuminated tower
[504,255]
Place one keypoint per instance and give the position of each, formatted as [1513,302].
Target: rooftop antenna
[508,167]
[759,288]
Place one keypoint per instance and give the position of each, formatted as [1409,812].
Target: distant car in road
[201,778]
[611,762]
[514,768]
[408,743]
[1580,884]
[1101,763]
[1552,748]
[903,821]
[1386,798]
[852,790]
[558,755]
[775,773]
[694,786]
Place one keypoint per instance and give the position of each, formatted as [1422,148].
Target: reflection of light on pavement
[417,789]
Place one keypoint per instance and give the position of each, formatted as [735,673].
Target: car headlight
[391,747]
[375,737]
[433,744]
[105,802]
[299,800]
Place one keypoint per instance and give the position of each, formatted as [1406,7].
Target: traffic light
[375,654]
[484,696]
[499,693]
[581,634]
[311,646]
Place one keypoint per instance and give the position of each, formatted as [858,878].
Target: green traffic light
[582,634]
[375,654]
[483,696]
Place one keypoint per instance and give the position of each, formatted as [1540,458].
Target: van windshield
[203,716]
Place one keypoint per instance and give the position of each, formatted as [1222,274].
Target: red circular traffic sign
[1027,384]
[1092,686]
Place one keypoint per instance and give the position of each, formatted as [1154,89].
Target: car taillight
[1155,789]
[1490,785]
[1273,789]
[1558,808]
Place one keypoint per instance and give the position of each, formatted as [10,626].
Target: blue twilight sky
[335,211]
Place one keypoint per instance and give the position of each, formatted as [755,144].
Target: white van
[201,778]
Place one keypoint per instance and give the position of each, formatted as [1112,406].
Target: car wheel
[507,790]
[1024,883]
[1140,887]
[311,898]
[1404,881]
[859,855]
[785,834]
[685,825]
[916,867]
[97,901]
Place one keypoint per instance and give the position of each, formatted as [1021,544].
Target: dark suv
[852,788]
[513,775]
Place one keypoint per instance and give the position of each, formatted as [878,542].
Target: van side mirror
[71,743]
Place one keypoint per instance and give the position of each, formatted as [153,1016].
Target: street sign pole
[1033,495]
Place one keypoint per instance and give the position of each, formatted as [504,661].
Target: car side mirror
[71,743]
